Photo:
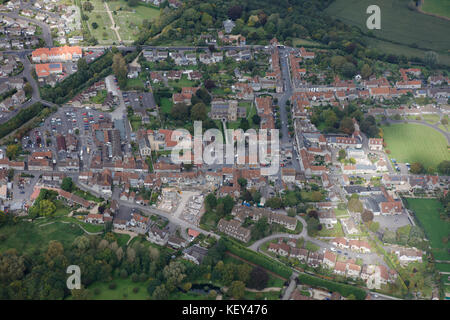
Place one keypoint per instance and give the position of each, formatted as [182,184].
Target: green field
[124,290]
[438,7]
[28,236]
[400,25]
[444,267]
[166,105]
[126,18]
[416,143]
[427,213]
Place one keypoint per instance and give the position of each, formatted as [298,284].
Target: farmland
[427,213]
[416,143]
[437,7]
[399,25]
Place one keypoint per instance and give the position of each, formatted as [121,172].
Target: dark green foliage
[23,116]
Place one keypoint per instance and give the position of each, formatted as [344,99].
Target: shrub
[136,289]
[112,286]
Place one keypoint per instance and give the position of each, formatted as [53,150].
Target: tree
[374,226]
[417,168]
[342,154]
[174,273]
[160,293]
[203,95]
[330,118]
[12,151]
[444,167]
[119,67]
[210,84]
[313,226]
[80,294]
[367,216]
[198,112]
[46,208]
[256,119]
[260,229]
[207,20]
[12,266]
[87,6]
[244,125]
[94,25]
[10,174]
[355,205]
[67,184]
[133,3]
[28,89]
[237,289]
[242,182]
[243,272]
[258,279]
[274,203]
[366,71]
[210,201]
[348,69]
[180,111]
[431,58]
[347,125]
[235,12]
[316,196]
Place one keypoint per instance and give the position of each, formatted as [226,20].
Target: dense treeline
[257,258]
[344,289]
[41,273]
[18,120]
[86,76]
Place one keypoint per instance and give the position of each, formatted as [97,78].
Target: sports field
[426,212]
[398,23]
[438,7]
[416,143]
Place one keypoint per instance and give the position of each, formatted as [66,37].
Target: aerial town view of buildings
[93,94]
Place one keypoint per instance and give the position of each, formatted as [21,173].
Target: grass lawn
[124,287]
[126,18]
[136,122]
[103,33]
[183,82]
[444,267]
[438,7]
[431,118]
[341,213]
[28,236]
[271,295]
[129,18]
[298,42]
[415,142]
[86,195]
[135,83]
[122,239]
[166,105]
[336,231]
[427,213]
[398,23]
[94,228]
